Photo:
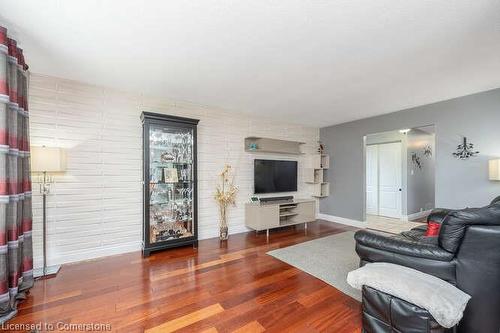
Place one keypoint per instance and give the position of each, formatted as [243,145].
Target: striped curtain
[16,245]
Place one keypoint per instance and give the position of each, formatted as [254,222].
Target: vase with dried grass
[225,195]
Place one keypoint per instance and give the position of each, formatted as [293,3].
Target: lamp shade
[495,169]
[48,159]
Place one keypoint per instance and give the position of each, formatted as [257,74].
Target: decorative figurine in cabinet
[170,188]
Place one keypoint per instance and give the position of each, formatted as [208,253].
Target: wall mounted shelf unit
[313,176]
[254,144]
[314,173]
[321,190]
[319,161]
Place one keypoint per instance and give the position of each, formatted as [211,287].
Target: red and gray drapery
[16,245]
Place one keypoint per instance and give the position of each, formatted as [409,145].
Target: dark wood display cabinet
[170,182]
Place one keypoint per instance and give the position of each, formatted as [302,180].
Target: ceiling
[312,62]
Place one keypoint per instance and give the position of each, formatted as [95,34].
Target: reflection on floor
[388,224]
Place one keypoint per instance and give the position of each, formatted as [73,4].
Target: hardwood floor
[221,287]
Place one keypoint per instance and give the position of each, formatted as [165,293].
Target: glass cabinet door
[171,183]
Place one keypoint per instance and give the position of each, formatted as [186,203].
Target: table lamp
[47,161]
[494,169]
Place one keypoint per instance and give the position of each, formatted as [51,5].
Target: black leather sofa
[466,253]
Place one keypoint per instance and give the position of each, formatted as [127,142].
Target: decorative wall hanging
[225,195]
[428,151]
[416,160]
[465,150]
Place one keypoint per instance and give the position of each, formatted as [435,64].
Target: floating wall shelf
[314,173]
[255,144]
[321,190]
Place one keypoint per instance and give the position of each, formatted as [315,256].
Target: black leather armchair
[466,253]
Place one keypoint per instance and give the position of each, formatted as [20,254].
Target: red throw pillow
[432,229]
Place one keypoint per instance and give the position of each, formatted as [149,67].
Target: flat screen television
[272,176]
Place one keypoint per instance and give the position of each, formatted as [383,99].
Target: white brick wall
[95,208]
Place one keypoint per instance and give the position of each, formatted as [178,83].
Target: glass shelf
[172,183]
[165,202]
[168,237]
[168,163]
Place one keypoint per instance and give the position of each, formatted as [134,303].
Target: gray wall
[458,183]
[420,182]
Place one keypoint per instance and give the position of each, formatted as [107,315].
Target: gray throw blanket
[444,301]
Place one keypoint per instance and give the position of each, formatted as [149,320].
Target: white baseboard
[101,252]
[342,220]
[239,229]
[417,215]
[214,232]
[84,255]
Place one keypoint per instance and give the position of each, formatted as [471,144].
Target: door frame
[376,181]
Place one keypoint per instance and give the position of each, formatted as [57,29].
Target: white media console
[265,216]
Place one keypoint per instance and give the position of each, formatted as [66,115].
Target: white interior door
[372,179]
[389,180]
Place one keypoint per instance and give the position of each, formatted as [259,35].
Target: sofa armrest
[397,244]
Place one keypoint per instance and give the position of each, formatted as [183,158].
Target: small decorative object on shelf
[252,146]
[465,150]
[171,175]
[167,157]
[225,195]
[170,206]
[321,147]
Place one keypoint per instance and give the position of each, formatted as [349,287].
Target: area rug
[328,258]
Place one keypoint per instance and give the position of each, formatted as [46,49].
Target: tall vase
[223,229]
[223,232]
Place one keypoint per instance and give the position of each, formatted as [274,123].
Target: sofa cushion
[418,234]
[413,234]
[454,225]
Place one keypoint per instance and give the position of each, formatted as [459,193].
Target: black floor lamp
[46,161]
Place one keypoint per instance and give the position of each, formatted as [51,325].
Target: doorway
[399,182]
[384,179]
